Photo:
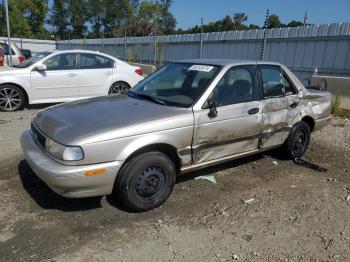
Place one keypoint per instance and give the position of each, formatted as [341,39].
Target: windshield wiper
[148,97]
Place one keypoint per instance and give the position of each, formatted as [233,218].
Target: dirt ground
[298,214]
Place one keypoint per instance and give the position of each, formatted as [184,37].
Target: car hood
[12,70]
[105,118]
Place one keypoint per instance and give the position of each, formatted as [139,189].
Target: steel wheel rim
[10,99]
[300,141]
[119,89]
[149,182]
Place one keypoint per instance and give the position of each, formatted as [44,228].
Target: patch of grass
[337,110]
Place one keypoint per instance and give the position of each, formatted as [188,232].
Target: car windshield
[177,84]
[32,60]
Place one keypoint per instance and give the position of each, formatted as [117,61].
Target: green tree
[253,26]
[27,18]
[239,19]
[59,18]
[167,21]
[227,23]
[35,12]
[78,17]
[295,24]
[274,22]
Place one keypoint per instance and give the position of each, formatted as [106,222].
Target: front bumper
[68,181]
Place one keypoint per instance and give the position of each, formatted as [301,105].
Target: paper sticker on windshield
[202,68]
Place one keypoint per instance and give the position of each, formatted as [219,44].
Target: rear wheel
[145,181]
[297,141]
[119,88]
[11,98]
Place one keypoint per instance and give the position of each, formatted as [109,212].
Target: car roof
[81,51]
[224,62]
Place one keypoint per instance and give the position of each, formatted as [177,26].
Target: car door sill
[217,161]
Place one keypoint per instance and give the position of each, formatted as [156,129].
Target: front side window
[62,62]
[91,61]
[236,86]
[275,82]
[31,61]
[178,84]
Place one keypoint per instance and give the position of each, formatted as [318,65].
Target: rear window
[6,49]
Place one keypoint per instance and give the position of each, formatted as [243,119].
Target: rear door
[280,105]
[238,123]
[60,82]
[96,74]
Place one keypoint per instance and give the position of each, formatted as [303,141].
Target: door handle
[72,74]
[108,73]
[253,111]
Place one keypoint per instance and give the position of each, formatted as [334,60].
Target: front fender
[21,81]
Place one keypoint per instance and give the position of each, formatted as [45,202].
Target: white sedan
[62,76]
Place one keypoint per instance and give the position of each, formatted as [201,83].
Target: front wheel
[297,141]
[145,181]
[119,88]
[11,98]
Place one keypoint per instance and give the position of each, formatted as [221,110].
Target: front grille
[39,138]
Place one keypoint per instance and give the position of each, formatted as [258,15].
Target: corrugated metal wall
[326,47]
[34,45]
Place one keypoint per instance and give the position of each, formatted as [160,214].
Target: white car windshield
[177,84]
[32,60]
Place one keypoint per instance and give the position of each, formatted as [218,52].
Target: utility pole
[201,42]
[265,35]
[8,31]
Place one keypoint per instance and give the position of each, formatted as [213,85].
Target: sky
[189,12]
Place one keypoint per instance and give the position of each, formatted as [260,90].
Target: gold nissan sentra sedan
[186,116]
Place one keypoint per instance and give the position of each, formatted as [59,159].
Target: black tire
[119,88]
[298,141]
[12,98]
[145,181]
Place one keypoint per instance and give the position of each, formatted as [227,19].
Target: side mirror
[212,108]
[300,95]
[41,67]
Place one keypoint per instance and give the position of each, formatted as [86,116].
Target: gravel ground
[298,214]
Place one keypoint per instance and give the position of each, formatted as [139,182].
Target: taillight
[21,59]
[139,71]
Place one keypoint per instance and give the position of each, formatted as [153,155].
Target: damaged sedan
[186,116]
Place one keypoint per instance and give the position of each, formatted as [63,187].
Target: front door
[60,82]
[280,105]
[236,127]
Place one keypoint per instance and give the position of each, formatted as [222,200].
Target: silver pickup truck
[186,116]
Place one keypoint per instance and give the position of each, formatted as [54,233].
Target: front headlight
[61,152]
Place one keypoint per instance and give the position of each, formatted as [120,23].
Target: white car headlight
[61,152]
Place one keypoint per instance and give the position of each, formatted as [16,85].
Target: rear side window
[91,61]
[275,82]
[236,86]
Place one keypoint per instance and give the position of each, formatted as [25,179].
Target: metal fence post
[201,41]
[155,46]
[8,31]
[102,42]
[125,45]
